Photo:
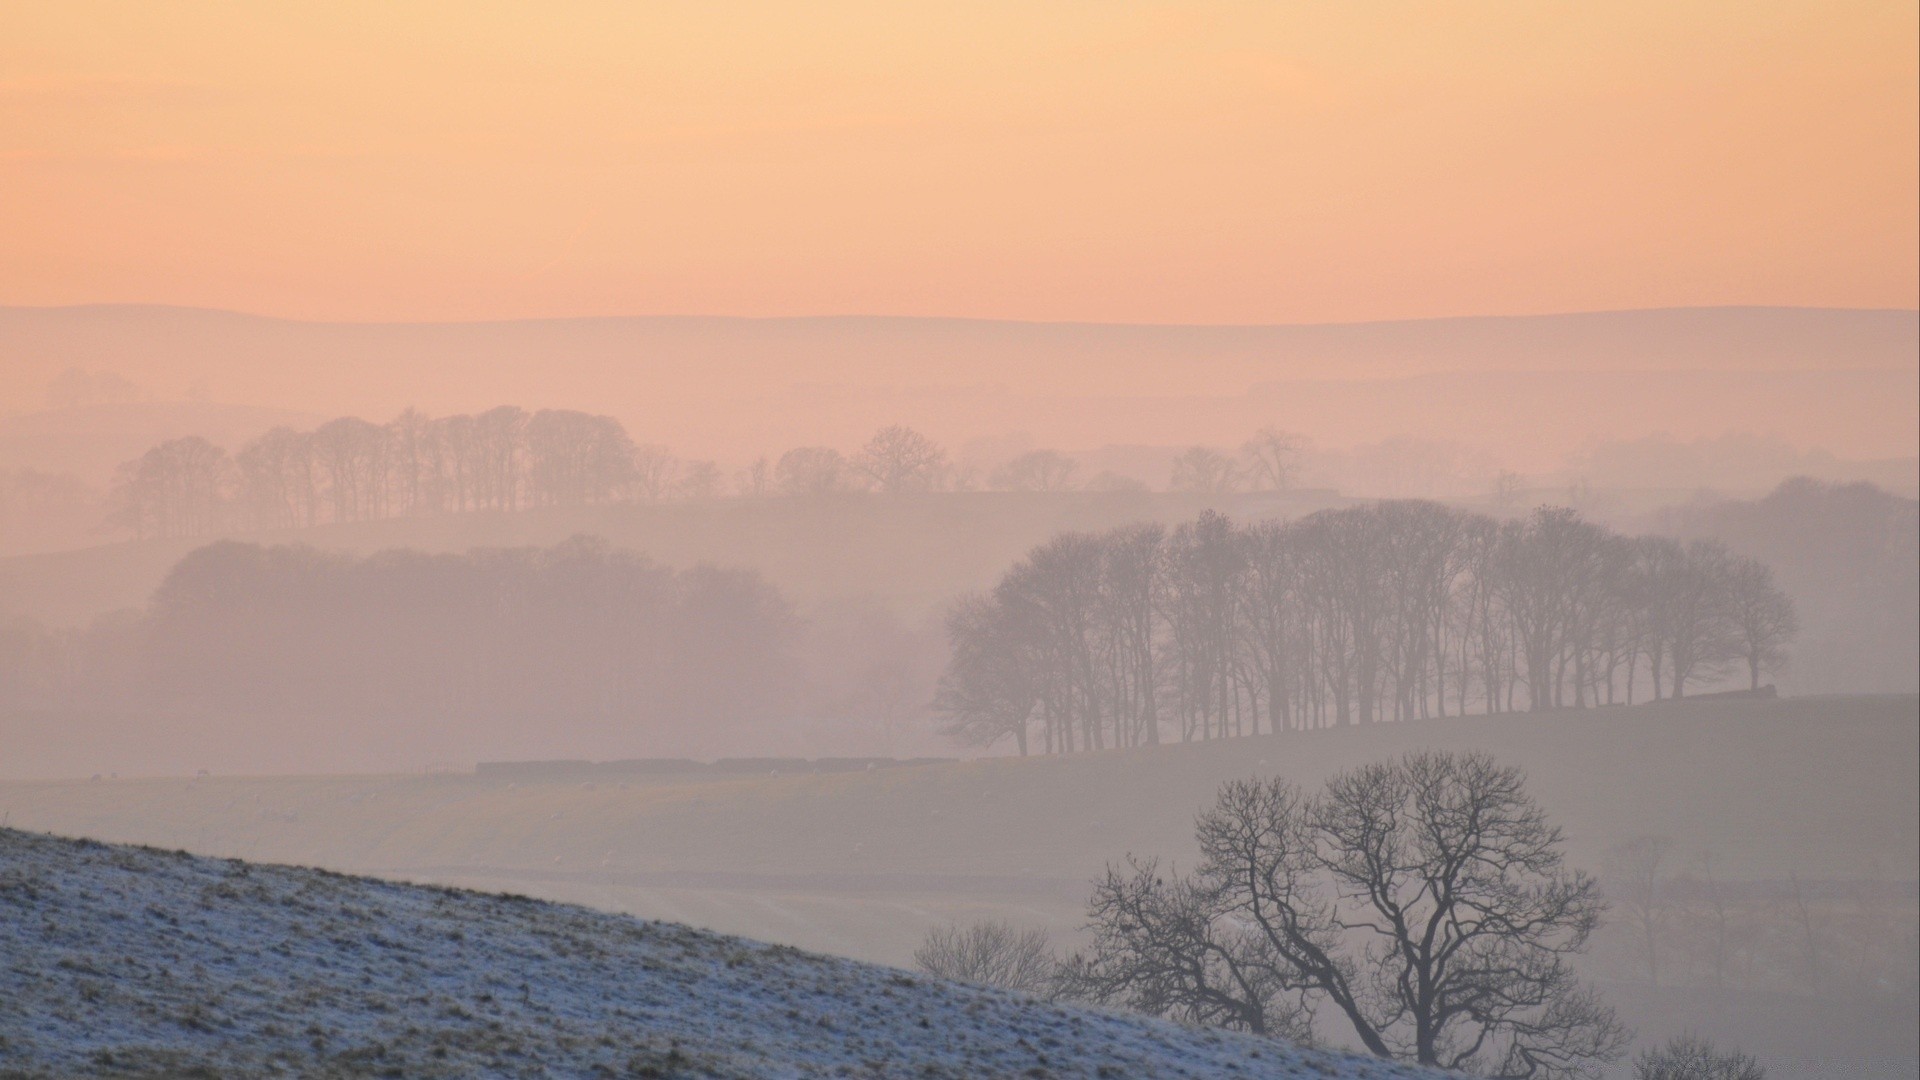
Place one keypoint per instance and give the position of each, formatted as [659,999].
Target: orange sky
[1190,162]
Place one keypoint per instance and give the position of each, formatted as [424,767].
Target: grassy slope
[133,962]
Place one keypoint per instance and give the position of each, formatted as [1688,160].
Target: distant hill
[914,552]
[729,388]
[132,962]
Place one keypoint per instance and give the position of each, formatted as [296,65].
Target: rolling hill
[131,962]
[1528,388]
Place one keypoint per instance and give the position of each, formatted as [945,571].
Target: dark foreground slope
[123,961]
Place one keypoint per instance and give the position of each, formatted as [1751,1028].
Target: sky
[1198,162]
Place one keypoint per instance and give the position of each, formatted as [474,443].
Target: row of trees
[350,469]
[503,459]
[1396,610]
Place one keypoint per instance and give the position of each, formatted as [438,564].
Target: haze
[1001,490]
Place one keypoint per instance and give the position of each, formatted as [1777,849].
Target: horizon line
[983,319]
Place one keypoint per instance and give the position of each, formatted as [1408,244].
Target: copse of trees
[1391,611]
[579,638]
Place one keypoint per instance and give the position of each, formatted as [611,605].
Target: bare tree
[756,480]
[811,470]
[1204,471]
[277,483]
[1162,945]
[575,458]
[992,953]
[1633,869]
[1762,618]
[899,459]
[1689,1057]
[1273,458]
[700,480]
[654,467]
[1425,900]
[992,683]
[178,488]
[1036,470]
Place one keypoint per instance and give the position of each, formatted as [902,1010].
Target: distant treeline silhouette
[577,638]
[1393,611]
[506,459]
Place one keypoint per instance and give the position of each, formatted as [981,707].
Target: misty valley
[996,541]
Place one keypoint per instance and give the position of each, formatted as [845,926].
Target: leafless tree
[1638,885]
[1273,459]
[654,467]
[352,457]
[811,470]
[1689,1057]
[178,488]
[1205,471]
[1423,901]
[574,458]
[756,480]
[992,953]
[992,683]
[1036,470]
[1762,618]
[1166,945]
[278,486]
[899,459]
[413,462]
[700,480]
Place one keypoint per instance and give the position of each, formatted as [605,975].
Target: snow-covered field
[123,961]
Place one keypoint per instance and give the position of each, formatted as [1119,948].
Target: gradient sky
[1190,162]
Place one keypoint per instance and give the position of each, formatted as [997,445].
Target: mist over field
[1010,541]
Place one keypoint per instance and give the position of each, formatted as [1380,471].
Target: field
[1820,791]
[131,962]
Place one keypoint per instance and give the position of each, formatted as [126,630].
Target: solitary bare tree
[1689,1057]
[992,953]
[811,470]
[1273,458]
[899,459]
[1424,900]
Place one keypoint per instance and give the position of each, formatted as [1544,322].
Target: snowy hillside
[123,961]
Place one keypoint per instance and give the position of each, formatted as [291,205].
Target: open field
[1819,790]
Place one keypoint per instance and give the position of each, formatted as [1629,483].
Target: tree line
[1391,611]
[596,646]
[505,459]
